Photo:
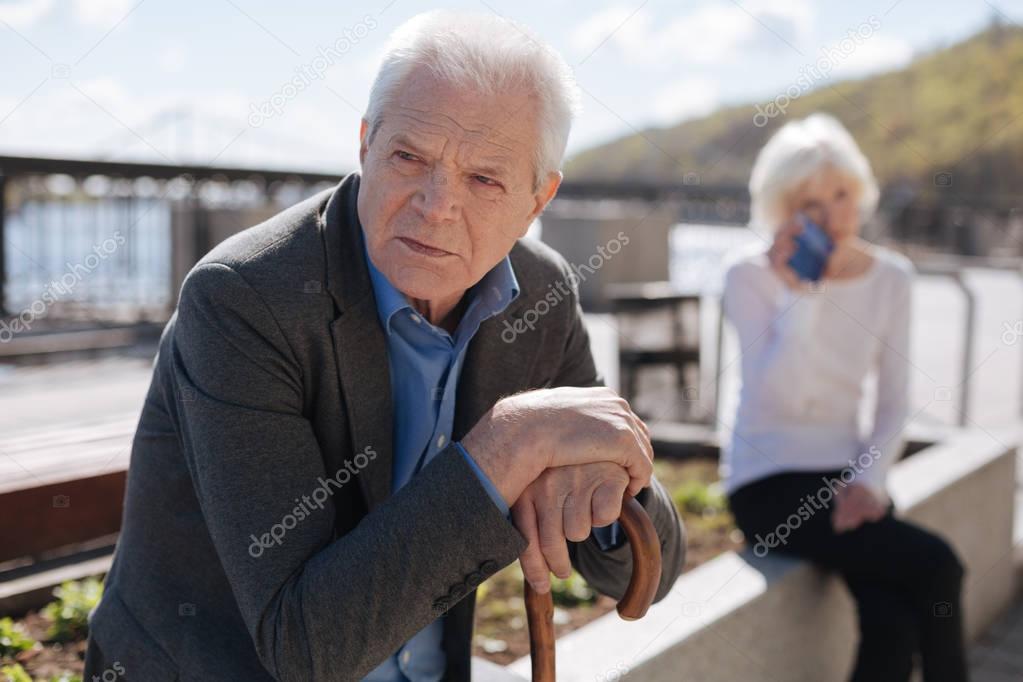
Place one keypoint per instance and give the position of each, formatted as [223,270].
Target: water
[101,254]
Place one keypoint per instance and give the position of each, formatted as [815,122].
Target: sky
[191,81]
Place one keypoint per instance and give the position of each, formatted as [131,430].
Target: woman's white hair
[488,54]
[796,152]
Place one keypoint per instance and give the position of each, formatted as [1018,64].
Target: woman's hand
[782,248]
[856,505]
[565,503]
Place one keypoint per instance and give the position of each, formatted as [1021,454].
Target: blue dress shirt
[425,363]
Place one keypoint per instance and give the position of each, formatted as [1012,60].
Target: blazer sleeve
[609,571]
[312,604]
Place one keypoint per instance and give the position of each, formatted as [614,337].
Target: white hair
[796,152]
[488,54]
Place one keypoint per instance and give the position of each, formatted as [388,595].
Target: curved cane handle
[646,574]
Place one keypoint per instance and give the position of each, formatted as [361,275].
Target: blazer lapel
[360,348]
[494,367]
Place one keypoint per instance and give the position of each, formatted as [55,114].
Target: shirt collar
[490,296]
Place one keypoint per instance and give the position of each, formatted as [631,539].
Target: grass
[13,639]
[49,645]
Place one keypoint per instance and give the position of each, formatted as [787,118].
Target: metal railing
[92,240]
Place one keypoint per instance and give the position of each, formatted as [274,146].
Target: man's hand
[564,503]
[856,505]
[526,433]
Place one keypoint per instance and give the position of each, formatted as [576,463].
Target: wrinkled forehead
[445,118]
[436,128]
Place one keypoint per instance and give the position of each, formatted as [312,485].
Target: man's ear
[546,192]
[363,141]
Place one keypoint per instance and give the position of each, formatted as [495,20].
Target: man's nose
[437,199]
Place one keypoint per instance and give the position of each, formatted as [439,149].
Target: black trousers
[905,580]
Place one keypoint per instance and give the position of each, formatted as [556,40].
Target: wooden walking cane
[646,574]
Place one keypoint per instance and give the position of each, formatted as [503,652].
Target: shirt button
[406,656]
[415,318]
[441,439]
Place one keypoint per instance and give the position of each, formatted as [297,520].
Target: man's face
[448,185]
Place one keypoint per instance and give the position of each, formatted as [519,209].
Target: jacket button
[489,567]
[457,591]
[474,579]
[442,604]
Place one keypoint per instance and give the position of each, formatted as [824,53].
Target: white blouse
[805,357]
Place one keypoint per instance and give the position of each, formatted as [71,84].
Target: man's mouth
[424,249]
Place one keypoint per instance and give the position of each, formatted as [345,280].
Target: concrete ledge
[484,670]
[740,617]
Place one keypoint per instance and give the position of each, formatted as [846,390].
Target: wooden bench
[61,498]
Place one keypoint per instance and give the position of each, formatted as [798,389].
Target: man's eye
[405,156]
[490,182]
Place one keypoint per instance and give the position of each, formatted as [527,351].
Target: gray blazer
[260,539]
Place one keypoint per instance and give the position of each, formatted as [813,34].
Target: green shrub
[69,615]
[12,639]
[697,497]
[14,673]
[572,591]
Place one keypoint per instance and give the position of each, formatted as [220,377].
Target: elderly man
[338,446]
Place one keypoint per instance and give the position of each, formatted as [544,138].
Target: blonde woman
[800,477]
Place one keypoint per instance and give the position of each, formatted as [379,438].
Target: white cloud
[113,121]
[685,98]
[713,33]
[617,23]
[24,13]
[101,13]
[792,19]
[876,54]
[172,59]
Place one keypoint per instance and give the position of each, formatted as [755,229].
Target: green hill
[957,110]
